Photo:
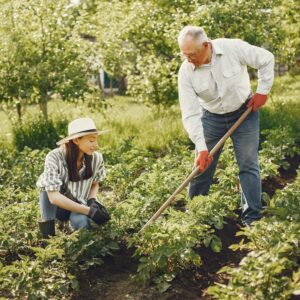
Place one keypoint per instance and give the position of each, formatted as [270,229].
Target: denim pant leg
[79,221]
[48,210]
[246,141]
[214,128]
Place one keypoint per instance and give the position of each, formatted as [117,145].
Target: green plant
[270,270]
[23,169]
[165,248]
[43,53]
[41,278]
[278,146]
[38,133]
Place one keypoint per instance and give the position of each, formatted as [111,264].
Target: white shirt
[223,85]
[56,175]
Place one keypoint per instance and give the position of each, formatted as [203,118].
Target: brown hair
[71,158]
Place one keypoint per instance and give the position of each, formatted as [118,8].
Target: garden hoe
[195,171]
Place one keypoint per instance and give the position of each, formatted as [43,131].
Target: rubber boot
[47,228]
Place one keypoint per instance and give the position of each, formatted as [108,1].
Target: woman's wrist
[85,209]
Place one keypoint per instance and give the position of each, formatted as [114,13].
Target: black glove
[92,201]
[98,212]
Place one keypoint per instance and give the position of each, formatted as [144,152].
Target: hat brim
[77,135]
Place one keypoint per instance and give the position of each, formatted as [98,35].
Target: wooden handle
[213,151]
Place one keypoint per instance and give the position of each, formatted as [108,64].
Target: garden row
[271,268]
[168,246]
[138,182]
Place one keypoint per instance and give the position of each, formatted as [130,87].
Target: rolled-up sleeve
[50,180]
[190,109]
[260,59]
[98,168]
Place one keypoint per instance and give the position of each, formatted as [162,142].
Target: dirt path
[113,280]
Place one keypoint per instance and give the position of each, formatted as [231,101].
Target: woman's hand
[98,212]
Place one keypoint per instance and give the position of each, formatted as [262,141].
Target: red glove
[203,160]
[257,101]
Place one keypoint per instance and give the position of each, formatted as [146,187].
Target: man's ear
[205,44]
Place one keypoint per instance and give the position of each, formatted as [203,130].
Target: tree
[139,38]
[42,53]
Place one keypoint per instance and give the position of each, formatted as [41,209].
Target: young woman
[70,181]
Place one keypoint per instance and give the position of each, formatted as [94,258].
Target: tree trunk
[122,85]
[19,112]
[43,106]
[100,85]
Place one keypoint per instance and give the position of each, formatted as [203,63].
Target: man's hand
[257,101]
[203,160]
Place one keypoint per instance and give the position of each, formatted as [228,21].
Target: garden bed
[113,280]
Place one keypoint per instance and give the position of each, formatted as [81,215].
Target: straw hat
[80,127]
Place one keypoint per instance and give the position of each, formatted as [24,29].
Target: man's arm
[191,110]
[262,60]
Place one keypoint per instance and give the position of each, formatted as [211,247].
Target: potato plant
[206,211]
[138,183]
[275,149]
[18,230]
[147,192]
[271,268]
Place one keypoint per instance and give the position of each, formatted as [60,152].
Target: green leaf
[216,244]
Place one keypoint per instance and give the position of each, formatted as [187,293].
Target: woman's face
[87,144]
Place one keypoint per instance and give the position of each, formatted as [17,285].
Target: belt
[242,107]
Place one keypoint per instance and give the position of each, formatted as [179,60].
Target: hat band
[89,130]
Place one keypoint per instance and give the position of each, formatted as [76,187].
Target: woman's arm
[62,201]
[94,190]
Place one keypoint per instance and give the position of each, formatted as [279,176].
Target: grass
[283,106]
[126,119]
[151,129]
[6,127]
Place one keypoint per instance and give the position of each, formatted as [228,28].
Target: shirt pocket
[231,71]
[202,90]
[231,77]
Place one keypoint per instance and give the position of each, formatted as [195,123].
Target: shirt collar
[216,50]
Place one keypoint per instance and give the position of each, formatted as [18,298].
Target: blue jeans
[48,212]
[245,142]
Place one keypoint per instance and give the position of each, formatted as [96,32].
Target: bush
[281,114]
[38,133]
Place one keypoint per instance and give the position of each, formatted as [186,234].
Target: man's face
[195,54]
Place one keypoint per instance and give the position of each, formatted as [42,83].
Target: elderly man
[214,91]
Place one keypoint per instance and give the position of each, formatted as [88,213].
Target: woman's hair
[71,158]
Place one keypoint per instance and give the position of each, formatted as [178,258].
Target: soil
[285,176]
[112,281]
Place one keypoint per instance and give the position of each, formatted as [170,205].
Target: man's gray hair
[196,32]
